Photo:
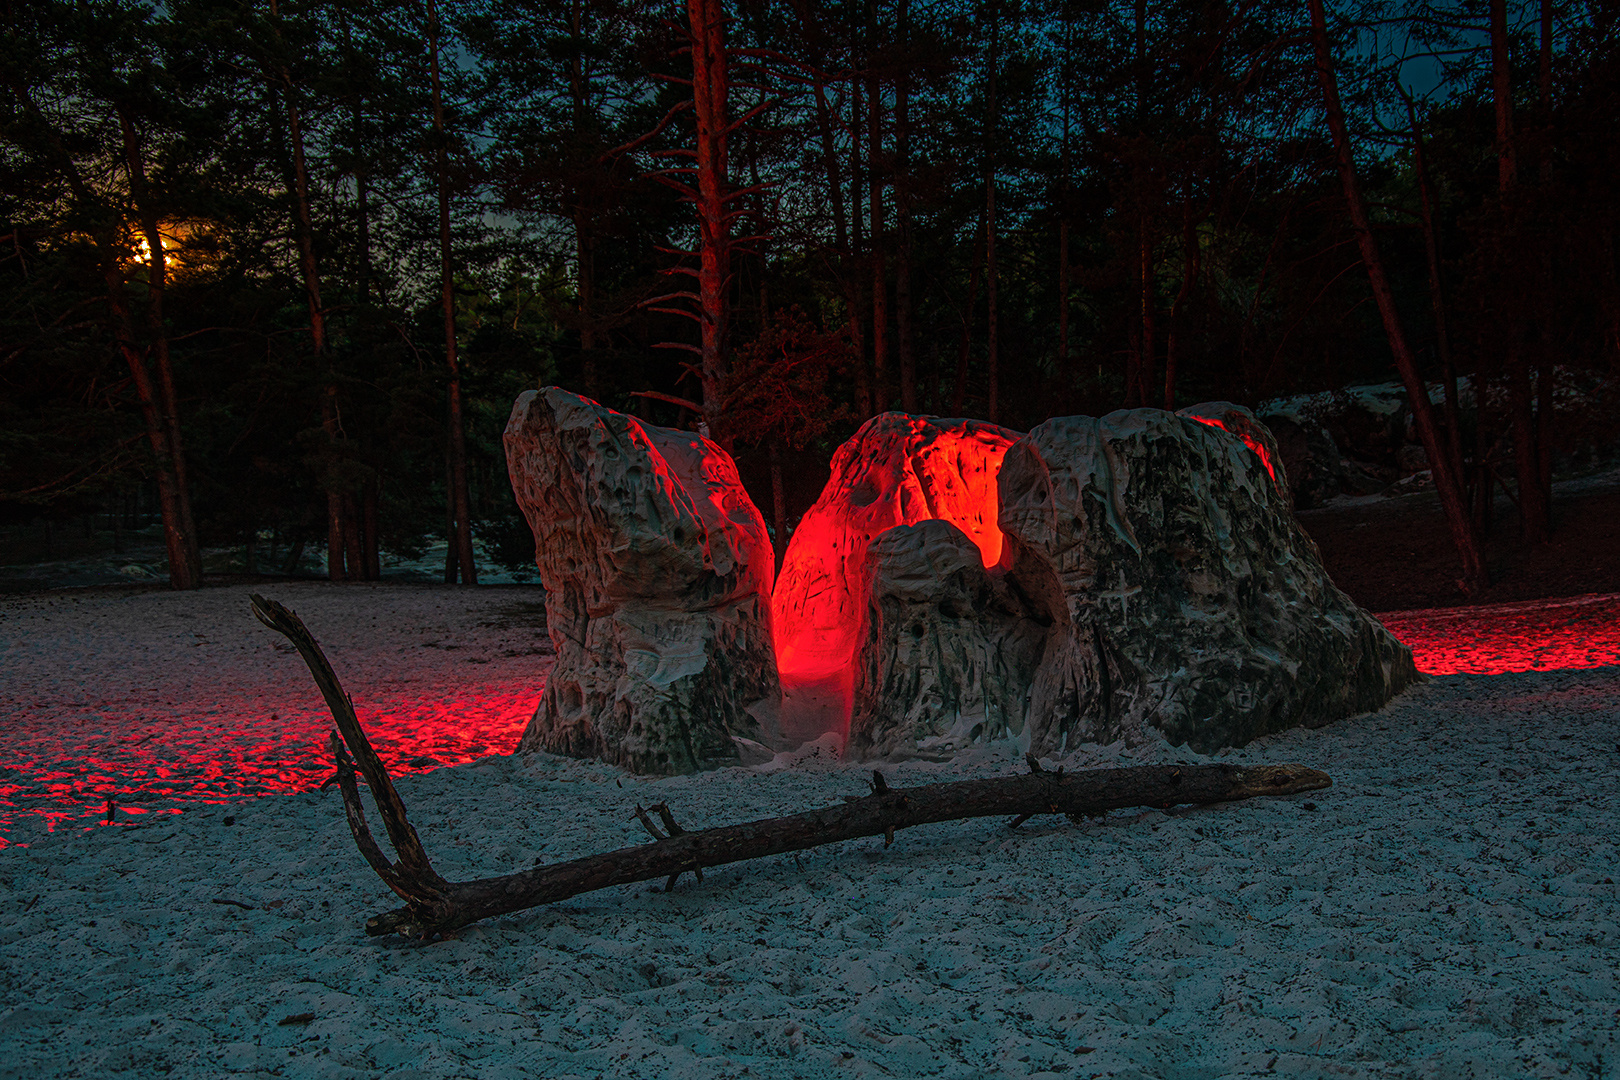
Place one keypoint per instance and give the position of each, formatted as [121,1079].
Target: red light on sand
[1538,635]
[64,764]
[898,470]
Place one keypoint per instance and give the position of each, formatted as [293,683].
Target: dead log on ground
[436,906]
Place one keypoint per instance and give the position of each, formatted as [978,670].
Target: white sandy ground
[1447,909]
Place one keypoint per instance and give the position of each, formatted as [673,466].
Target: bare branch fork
[436,906]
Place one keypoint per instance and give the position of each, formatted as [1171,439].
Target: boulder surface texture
[657,570]
[1153,577]
[950,647]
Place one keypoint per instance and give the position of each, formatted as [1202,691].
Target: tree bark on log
[436,906]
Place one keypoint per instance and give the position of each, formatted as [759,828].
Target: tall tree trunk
[373,560]
[1437,303]
[304,236]
[362,213]
[362,180]
[904,332]
[865,390]
[585,275]
[1191,259]
[1546,387]
[303,225]
[1137,390]
[709,87]
[175,540]
[1534,520]
[1065,90]
[354,560]
[336,551]
[460,501]
[991,358]
[1142,393]
[1502,98]
[1484,473]
[880,286]
[829,158]
[1474,576]
[1063,296]
[762,294]
[1547,383]
[157,333]
[835,190]
[964,346]
[584,230]
[1526,452]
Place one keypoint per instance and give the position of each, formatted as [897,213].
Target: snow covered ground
[1447,909]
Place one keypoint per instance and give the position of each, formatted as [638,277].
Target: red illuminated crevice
[897,470]
[1249,440]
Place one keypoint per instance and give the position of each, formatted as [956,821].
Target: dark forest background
[279,268]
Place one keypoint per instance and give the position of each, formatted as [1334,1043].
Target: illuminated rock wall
[897,470]
[657,570]
[1153,577]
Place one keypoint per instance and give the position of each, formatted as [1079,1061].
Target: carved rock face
[898,470]
[657,570]
[1183,594]
[950,647]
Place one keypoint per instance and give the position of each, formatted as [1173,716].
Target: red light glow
[897,470]
[63,763]
[1538,635]
[1250,441]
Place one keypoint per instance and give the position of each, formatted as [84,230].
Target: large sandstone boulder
[657,570]
[1096,579]
[1153,577]
[1183,594]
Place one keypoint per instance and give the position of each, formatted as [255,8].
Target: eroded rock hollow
[897,470]
[657,570]
[1096,579]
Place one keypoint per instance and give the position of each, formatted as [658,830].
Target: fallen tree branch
[412,877]
[436,906]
